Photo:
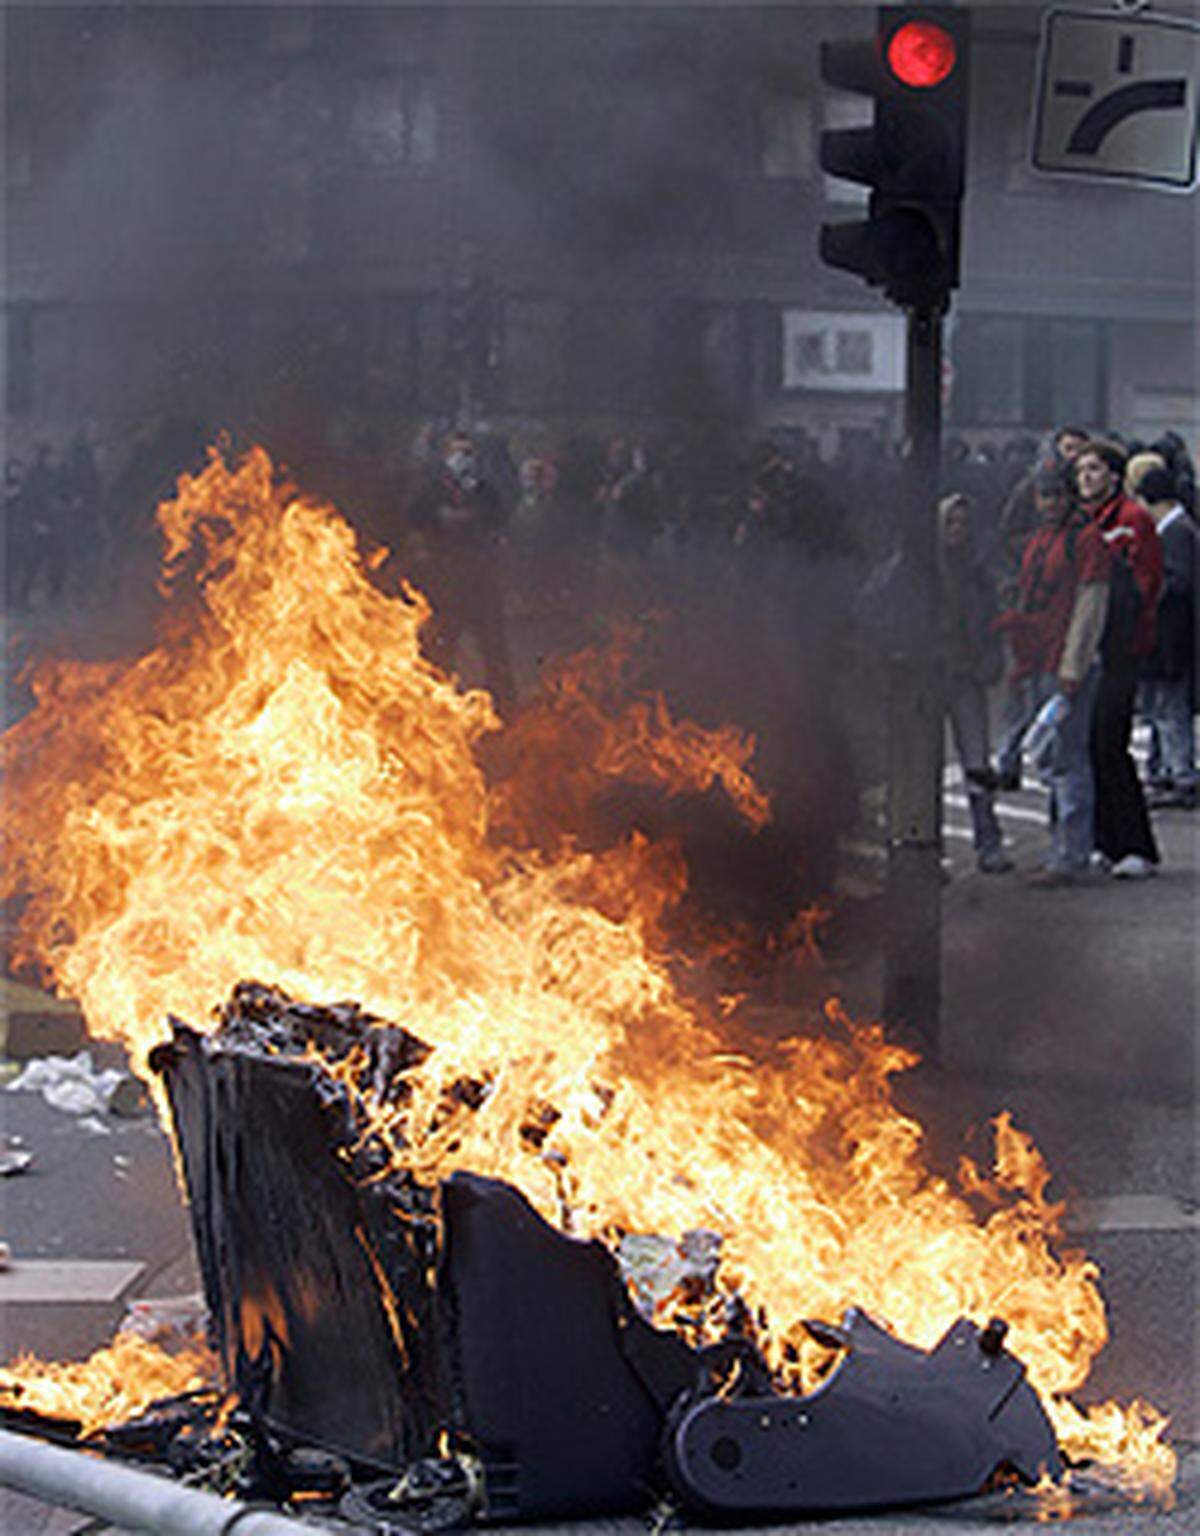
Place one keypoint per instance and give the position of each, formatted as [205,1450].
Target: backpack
[1124,611]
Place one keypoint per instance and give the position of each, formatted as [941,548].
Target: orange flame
[112,1385]
[285,789]
[581,734]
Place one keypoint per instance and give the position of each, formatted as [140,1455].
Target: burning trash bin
[399,1324]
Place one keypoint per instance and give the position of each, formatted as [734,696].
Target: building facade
[300,221]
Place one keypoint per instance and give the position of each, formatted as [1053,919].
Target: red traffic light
[921,54]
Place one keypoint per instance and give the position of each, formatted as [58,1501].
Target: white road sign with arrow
[1117,97]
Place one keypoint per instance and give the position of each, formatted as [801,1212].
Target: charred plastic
[401,1326]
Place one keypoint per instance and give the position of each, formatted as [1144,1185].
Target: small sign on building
[845,352]
[1117,97]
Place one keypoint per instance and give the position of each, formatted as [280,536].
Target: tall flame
[285,789]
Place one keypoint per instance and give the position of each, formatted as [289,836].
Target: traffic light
[912,156]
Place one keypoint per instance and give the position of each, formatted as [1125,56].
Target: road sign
[1117,97]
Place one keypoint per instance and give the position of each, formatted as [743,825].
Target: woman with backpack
[1124,837]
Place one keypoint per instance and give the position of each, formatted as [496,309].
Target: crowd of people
[1067,577]
[76,505]
[1091,583]
[79,514]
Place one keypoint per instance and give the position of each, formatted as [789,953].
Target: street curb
[26,1035]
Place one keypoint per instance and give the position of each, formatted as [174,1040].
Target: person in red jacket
[1054,630]
[1124,837]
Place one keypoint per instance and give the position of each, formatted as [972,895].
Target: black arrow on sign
[1099,121]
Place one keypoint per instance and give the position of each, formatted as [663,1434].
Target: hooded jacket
[1129,531]
[1062,601]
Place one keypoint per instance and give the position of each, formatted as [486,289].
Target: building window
[1028,371]
[991,374]
[611,357]
[393,120]
[20,168]
[53,360]
[786,128]
[283,118]
[533,345]
[281,138]
[18,353]
[289,30]
[722,355]
[287,204]
[390,365]
[700,361]
[1074,359]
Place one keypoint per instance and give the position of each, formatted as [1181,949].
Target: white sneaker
[1100,863]
[1132,867]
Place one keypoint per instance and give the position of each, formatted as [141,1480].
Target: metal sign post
[1117,97]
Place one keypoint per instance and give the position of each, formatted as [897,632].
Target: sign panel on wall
[846,352]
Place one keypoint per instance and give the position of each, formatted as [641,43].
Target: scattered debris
[72,1097]
[659,1270]
[14,1161]
[171,1322]
[69,1083]
[429,1496]
[129,1099]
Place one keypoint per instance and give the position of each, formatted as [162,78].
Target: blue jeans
[1072,786]
[1168,706]
[966,705]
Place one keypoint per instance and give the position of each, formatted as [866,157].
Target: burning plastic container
[360,1311]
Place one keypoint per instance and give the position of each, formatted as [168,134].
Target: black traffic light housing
[912,156]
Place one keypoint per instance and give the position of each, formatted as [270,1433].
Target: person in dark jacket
[85,526]
[1169,683]
[1174,453]
[1124,836]
[973,660]
[42,546]
[459,526]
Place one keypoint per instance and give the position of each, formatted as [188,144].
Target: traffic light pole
[912,158]
[912,893]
